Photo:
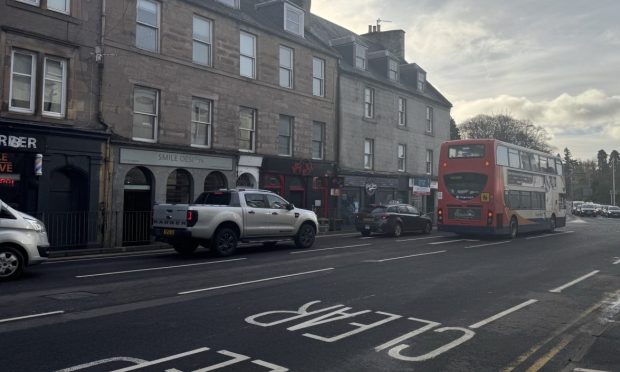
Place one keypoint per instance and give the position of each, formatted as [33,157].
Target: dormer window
[421,81]
[293,20]
[360,56]
[393,70]
[230,3]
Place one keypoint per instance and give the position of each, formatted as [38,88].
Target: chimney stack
[369,28]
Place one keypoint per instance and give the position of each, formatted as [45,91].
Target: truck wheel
[305,236]
[11,263]
[224,242]
[185,247]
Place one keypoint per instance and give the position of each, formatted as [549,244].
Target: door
[408,218]
[282,220]
[255,215]
[417,221]
[137,207]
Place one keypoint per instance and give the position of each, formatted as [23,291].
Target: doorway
[137,207]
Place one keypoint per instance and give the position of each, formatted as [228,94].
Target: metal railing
[67,230]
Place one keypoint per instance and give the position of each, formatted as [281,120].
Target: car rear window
[614,209]
[218,198]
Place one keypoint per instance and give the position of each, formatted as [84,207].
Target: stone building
[391,120]
[203,95]
[51,141]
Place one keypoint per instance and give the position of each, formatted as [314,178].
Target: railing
[136,227]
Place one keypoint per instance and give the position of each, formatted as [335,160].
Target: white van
[23,242]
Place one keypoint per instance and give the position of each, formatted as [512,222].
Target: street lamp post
[613,182]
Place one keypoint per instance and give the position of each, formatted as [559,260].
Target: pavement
[438,302]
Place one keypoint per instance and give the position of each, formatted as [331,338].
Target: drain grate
[72,295]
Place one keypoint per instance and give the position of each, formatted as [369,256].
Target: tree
[569,167]
[602,161]
[508,129]
[455,133]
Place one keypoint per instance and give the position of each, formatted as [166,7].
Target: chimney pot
[369,28]
[374,28]
[378,28]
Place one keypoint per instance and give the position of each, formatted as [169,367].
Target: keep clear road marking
[103,361]
[412,255]
[560,289]
[159,268]
[254,281]
[548,235]
[454,241]
[330,249]
[427,238]
[31,316]
[486,245]
[162,360]
[502,314]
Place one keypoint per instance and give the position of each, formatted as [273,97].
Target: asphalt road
[420,302]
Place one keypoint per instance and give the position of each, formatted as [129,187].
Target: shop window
[137,179]
[179,187]
[273,183]
[246,180]
[215,181]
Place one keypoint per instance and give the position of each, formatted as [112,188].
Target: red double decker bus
[495,188]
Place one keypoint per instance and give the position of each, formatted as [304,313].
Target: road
[420,302]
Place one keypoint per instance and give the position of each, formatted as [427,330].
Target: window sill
[200,146]
[247,151]
[430,134]
[403,127]
[45,12]
[146,140]
[369,120]
[21,111]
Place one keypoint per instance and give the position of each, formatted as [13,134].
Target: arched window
[215,181]
[137,179]
[179,187]
[246,180]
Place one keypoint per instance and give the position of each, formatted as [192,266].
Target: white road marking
[108,257]
[486,245]
[617,262]
[158,268]
[103,361]
[576,220]
[274,367]
[454,241]
[587,370]
[254,281]
[548,235]
[330,249]
[236,358]
[502,314]
[330,235]
[31,316]
[400,258]
[162,360]
[561,288]
[426,238]
[367,237]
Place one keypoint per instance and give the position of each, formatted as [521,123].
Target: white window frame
[429,120]
[231,3]
[252,131]
[429,162]
[66,10]
[208,43]
[369,102]
[252,57]
[289,70]
[30,2]
[290,8]
[157,27]
[402,112]
[393,69]
[369,154]
[321,141]
[156,115]
[33,76]
[318,76]
[291,129]
[402,157]
[208,123]
[361,59]
[63,102]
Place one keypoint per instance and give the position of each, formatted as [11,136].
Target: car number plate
[168,232]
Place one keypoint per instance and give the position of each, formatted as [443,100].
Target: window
[202,41]
[369,102]
[465,186]
[276,202]
[201,122]
[247,128]
[466,151]
[318,77]
[402,111]
[525,161]
[429,119]
[61,6]
[369,153]
[31,2]
[534,162]
[145,114]
[247,63]
[513,158]
[54,87]
[402,158]
[318,135]
[429,161]
[286,67]
[360,57]
[421,81]
[502,155]
[293,20]
[285,135]
[179,187]
[393,70]
[255,201]
[23,72]
[230,3]
[147,25]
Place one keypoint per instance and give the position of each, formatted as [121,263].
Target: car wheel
[514,228]
[366,232]
[428,228]
[185,247]
[11,263]
[305,236]
[224,242]
[398,230]
[552,224]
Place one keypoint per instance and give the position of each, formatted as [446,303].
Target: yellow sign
[485,197]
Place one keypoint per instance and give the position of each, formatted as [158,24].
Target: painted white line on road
[159,268]
[31,316]
[272,367]
[330,249]
[454,241]
[486,245]
[255,281]
[502,314]
[103,361]
[330,235]
[548,235]
[617,262]
[426,238]
[400,258]
[587,370]
[560,289]
[162,360]
[367,237]
[69,260]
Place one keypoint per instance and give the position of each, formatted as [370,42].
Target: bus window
[535,162]
[465,186]
[513,158]
[466,151]
[525,201]
[525,160]
[543,164]
[502,155]
[512,199]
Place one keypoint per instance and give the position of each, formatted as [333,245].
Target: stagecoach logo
[370,187]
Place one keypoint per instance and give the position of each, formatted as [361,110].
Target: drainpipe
[338,133]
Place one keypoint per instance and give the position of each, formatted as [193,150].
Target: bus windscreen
[466,151]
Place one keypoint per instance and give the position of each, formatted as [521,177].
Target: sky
[555,63]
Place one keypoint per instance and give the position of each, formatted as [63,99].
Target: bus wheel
[514,228]
[552,224]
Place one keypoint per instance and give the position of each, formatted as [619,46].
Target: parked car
[575,207]
[599,209]
[393,219]
[23,242]
[587,210]
[220,219]
[611,211]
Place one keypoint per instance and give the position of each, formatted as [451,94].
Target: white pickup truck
[220,219]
